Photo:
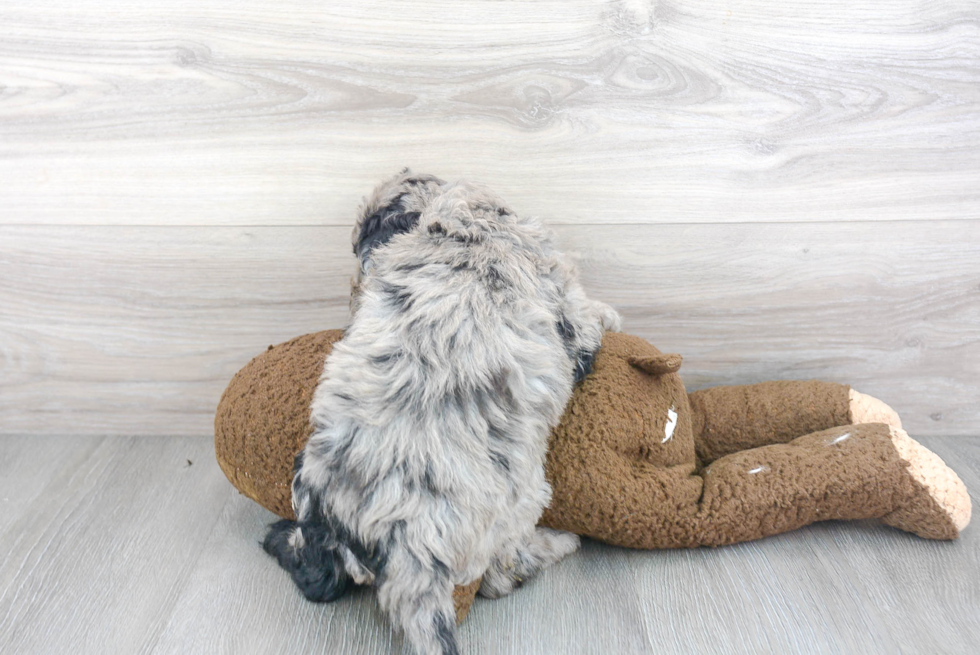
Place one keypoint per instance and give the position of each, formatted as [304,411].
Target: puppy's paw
[609,318]
[301,550]
[868,409]
[553,545]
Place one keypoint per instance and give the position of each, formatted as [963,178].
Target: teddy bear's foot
[867,409]
[939,507]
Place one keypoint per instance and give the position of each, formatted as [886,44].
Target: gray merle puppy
[431,420]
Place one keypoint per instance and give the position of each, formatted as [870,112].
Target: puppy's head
[393,208]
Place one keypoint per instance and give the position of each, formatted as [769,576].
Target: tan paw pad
[942,484]
[868,409]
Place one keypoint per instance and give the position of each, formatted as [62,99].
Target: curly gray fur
[426,465]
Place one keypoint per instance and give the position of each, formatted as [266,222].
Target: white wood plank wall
[775,190]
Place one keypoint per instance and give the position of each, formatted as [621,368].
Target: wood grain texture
[120,546]
[242,112]
[136,331]
[93,559]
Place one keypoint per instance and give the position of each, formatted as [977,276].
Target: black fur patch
[429,481]
[400,396]
[381,360]
[316,567]
[583,360]
[499,434]
[495,280]
[399,296]
[374,558]
[378,228]
[440,568]
[565,329]
[410,268]
[303,490]
[446,634]
[500,461]
[502,390]
[583,365]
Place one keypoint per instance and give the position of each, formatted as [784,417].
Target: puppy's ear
[378,228]
[393,208]
[657,364]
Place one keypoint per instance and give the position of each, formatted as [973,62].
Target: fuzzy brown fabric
[730,419]
[463,597]
[781,453]
[616,477]
[848,472]
[263,418]
[612,477]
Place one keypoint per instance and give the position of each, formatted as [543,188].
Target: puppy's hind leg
[310,554]
[512,566]
[418,597]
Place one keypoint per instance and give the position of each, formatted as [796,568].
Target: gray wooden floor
[139,545]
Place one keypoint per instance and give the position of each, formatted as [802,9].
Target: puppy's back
[452,370]
[432,416]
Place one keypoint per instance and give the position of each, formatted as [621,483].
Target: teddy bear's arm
[733,418]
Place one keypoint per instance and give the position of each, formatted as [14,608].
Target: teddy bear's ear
[657,364]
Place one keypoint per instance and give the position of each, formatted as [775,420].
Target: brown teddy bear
[638,462]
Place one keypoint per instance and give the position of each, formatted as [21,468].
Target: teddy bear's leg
[733,418]
[516,563]
[852,472]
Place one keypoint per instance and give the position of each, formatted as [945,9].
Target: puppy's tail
[309,552]
[418,596]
